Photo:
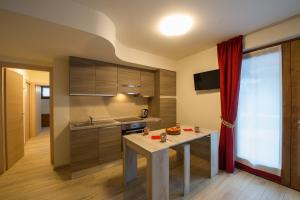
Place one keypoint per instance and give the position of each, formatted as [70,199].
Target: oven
[130,128]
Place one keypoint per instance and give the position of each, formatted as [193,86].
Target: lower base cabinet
[109,144]
[92,147]
[84,149]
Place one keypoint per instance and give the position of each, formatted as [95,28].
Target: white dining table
[156,153]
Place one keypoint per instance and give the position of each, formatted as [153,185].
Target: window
[45,94]
[259,119]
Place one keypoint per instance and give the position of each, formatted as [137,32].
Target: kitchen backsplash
[105,107]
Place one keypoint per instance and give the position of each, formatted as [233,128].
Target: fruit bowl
[173,131]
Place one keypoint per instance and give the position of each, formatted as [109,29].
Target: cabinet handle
[131,86]
[108,127]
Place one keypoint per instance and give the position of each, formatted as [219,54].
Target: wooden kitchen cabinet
[129,80]
[109,144]
[153,125]
[106,79]
[167,83]
[97,78]
[82,80]
[168,112]
[163,104]
[147,83]
[84,149]
[94,146]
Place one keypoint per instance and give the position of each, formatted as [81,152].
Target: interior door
[14,117]
[295,138]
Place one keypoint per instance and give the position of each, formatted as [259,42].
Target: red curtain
[230,55]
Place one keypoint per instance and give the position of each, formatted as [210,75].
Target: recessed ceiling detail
[132,29]
[80,19]
[175,25]
[137,21]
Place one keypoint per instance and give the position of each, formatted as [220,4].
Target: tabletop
[153,145]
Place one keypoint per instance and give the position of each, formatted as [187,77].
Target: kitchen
[114,93]
[110,101]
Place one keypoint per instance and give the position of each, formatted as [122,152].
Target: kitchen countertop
[107,122]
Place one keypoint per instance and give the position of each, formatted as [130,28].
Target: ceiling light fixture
[175,25]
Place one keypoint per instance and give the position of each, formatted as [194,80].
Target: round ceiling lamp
[175,25]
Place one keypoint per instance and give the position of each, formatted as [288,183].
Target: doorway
[24,110]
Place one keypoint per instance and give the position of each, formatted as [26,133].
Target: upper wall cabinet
[167,83]
[147,83]
[106,79]
[129,80]
[82,80]
[90,77]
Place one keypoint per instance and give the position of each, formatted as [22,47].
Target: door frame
[2,114]
[27,117]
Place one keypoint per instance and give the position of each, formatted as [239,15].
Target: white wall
[38,77]
[61,111]
[288,29]
[192,108]
[204,109]
[34,76]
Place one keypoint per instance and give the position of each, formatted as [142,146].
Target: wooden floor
[33,178]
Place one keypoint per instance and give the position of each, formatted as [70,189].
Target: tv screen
[207,80]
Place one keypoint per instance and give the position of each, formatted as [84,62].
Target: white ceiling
[137,21]
[31,40]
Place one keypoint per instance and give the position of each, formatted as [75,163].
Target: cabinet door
[109,144]
[106,79]
[168,112]
[129,80]
[167,83]
[82,80]
[295,125]
[14,117]
[84,149]
[147,83]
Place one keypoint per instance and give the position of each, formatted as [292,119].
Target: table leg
[129,163]
[186,169]
[158,175]
[214,154]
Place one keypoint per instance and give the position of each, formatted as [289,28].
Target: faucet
[91,120]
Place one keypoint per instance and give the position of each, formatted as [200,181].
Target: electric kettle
[144,113]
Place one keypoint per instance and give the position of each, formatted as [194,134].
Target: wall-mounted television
[209,80]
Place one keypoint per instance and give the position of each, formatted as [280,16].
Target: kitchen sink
[82,124]
[100,122]
[129,119]
[89,124]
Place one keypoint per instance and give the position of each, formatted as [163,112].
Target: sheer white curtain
[259,120]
